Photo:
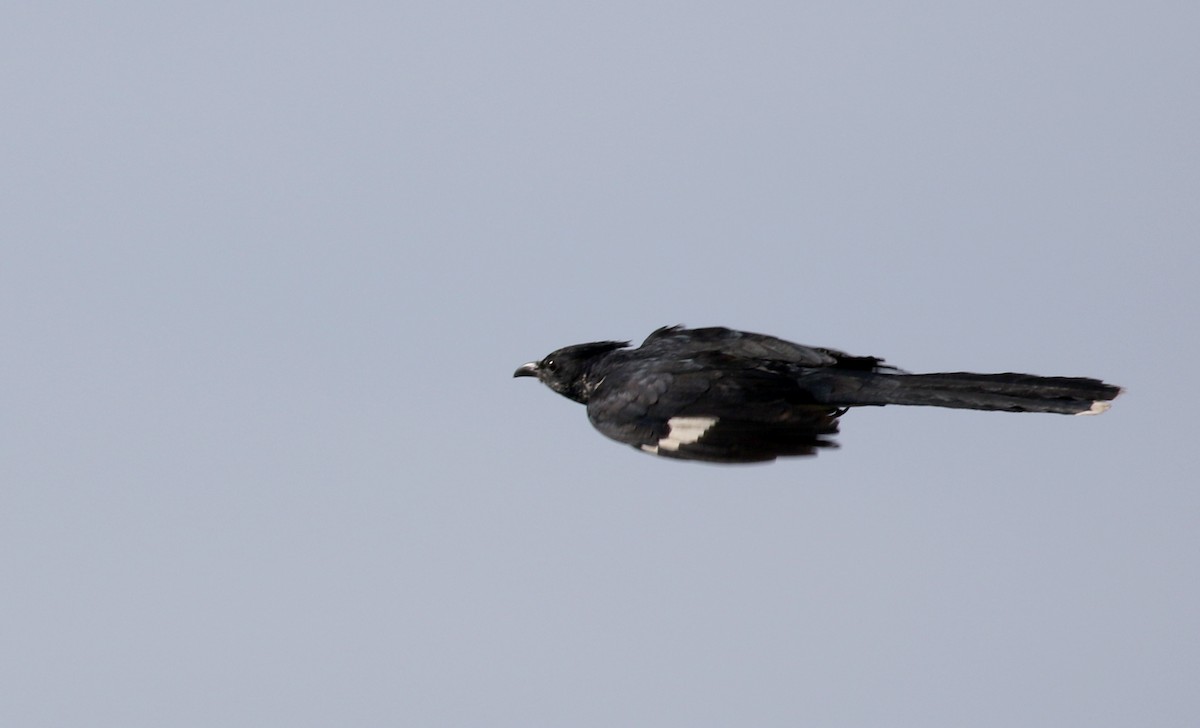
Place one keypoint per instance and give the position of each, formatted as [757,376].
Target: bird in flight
[726,396]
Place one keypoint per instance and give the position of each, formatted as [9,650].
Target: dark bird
[728,396]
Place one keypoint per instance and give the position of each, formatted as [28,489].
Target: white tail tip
[1098,407]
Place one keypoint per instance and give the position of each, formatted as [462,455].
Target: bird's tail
[963,390]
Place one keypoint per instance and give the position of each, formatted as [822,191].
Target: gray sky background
[268,267]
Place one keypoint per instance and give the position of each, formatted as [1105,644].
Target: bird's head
[565,370]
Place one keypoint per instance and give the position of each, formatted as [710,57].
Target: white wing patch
[684,431]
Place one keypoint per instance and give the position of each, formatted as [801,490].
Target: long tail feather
[964,390]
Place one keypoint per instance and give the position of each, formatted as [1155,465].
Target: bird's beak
[527,370]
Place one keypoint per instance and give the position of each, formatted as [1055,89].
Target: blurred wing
[680,341]
[698,412]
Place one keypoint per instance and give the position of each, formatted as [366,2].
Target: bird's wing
[680,341]
[715,408]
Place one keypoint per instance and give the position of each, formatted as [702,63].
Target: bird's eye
[550,365]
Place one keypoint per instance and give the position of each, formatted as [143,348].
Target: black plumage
[728,396]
